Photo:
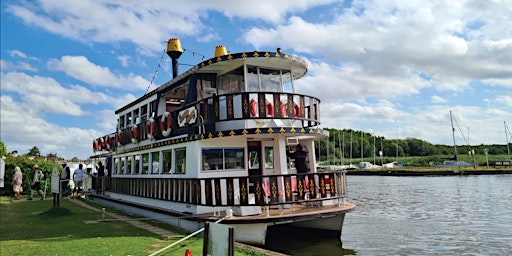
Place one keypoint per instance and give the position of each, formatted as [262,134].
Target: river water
[440,215]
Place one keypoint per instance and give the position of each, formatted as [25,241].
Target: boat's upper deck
[228,92]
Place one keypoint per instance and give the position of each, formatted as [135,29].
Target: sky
[390,68]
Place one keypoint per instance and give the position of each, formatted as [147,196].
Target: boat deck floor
[290,212]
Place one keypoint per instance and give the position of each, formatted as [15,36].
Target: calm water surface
[449,215]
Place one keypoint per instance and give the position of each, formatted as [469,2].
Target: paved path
[159,231]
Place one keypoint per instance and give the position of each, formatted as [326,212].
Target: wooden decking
[294,212]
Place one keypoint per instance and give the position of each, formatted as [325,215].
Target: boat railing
[200,117]
[258,190]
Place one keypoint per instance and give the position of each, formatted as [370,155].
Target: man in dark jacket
[300,157]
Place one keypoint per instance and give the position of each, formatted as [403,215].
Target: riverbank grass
[38,228]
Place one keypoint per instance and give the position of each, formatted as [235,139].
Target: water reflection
[289,240]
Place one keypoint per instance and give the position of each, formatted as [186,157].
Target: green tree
[3,149]
[34,151]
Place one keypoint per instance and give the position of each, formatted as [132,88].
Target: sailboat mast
[397,144]
[453,134]
[506,137]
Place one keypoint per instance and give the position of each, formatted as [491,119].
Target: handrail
[260,190]
[204,114]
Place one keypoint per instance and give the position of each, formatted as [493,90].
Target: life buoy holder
[253,108]
[166,129]
[95,145]
[150,129]
[297,111]
[134,133]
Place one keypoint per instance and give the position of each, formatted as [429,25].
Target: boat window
[137,164]
[128,119]
[269,157]
[145,163]
[129,162]
[212,159]
[155,162]
[287,81]
[252,80]
[231,82]
[167,160]
[152,108]
[144,113]
[136,119]
[116,166]
[270,80]
[180,160]
[223,158]
[234,158]
[205,89]
[123,165]
[121,122]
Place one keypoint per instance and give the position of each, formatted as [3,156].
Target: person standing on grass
[78,176]
[36,183]
[17,182]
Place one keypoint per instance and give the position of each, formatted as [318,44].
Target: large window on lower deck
[145,163]
[167,161]
[155,162]
[180,160]
[223,158]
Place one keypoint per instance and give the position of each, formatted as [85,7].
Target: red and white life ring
[166,129]
[297,111]
[270,109]
[283,110]
[134,133]
[150,129]
[108,141]
[95,145]
[253,108]
[119,138]
[102,143]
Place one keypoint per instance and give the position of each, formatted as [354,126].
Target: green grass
[38,228]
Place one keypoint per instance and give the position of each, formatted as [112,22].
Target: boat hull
[248,229]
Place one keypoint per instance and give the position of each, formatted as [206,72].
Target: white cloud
[80,68]
[124,59]
[22,129]
[438,99]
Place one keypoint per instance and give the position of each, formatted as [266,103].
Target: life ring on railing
[107,142]
[270,109]
[297,111]
[283,110]
[166,129]
[150,129]
[253,108]
[101,143]
[134,133]
[120,138]
[95,145]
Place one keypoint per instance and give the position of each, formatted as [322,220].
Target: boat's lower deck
[278,214]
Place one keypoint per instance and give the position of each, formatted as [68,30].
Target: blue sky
[378,66]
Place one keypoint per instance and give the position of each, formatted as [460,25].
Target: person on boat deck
[300,157]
